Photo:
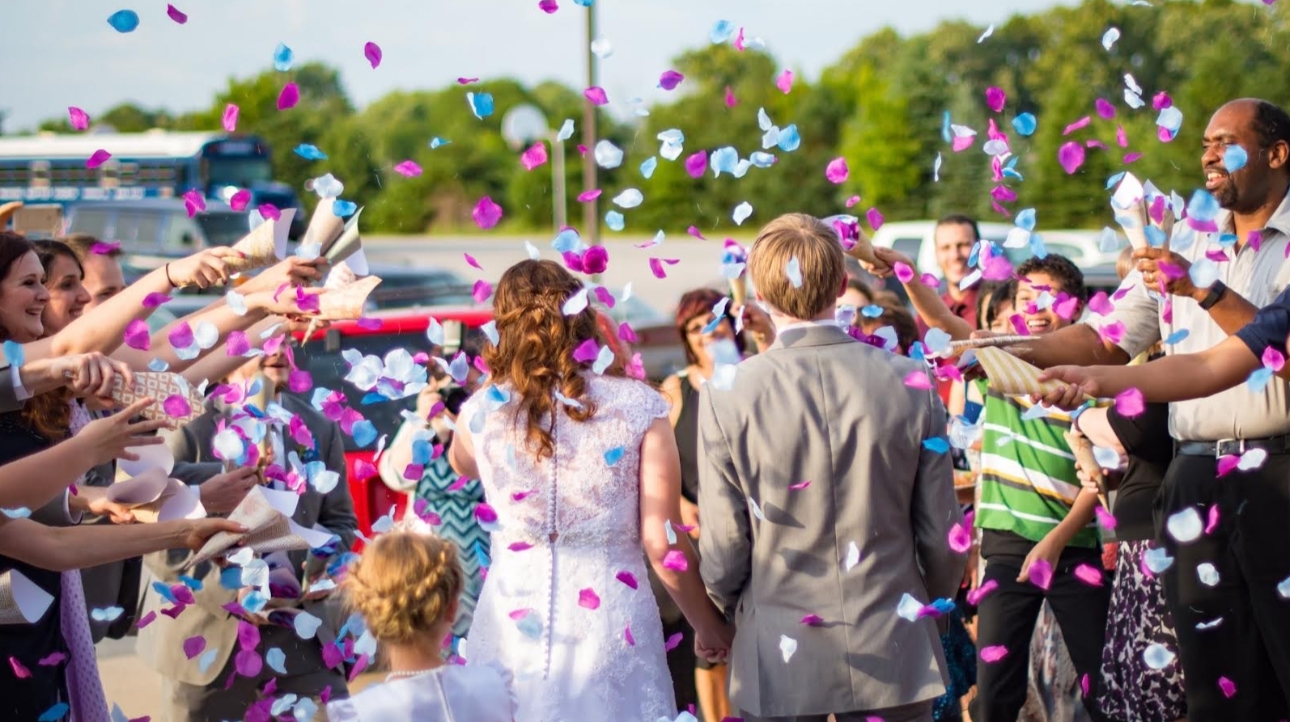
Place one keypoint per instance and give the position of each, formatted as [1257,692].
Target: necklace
[410,673]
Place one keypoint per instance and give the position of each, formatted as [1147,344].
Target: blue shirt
[1270,326]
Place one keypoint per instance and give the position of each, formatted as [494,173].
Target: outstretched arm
[62,548]
[927,303]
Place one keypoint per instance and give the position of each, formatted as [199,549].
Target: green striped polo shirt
[1028,479]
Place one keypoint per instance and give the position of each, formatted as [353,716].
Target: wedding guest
[407,585]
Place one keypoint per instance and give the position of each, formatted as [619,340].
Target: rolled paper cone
[347,244]
[739,290]
[264,246]
[309,332]
[21,601]
[1011,376]
[347,303]
[1087,460]
[324,227]
[340,276]
[956,348]
[159,387]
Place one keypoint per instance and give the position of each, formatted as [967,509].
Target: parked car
[411,287]
[160,226]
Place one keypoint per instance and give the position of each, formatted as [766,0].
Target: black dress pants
[1233,633]
[1006,617]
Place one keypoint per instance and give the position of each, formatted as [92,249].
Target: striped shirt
[1028,479]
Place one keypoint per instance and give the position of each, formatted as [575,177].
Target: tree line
[887,107]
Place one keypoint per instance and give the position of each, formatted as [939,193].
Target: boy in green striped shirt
[1038,537]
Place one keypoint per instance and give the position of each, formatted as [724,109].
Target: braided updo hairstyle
[535,346]
[404,585]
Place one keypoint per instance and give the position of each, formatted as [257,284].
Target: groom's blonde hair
[819,257]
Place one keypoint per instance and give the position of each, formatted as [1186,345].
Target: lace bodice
[587,493]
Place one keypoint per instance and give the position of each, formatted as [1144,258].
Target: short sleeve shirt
[1269,328]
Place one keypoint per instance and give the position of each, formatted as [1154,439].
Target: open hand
[1160,269]
[110,438]
[223,492]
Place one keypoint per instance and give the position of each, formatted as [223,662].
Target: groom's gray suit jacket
[821,407]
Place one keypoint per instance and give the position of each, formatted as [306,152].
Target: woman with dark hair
[580,467]
[24,543]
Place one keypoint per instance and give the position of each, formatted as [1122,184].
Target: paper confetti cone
[1011,376]
[264,246]
[340,276]
[324,227]
[254,512]
[739,291]
[21,601]
[176,502]
[347,244]
[957,348]
[171,392]
[146,488]
[347,303]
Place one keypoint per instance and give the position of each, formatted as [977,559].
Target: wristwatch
[1216,293]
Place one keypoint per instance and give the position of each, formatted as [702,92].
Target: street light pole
[590,209]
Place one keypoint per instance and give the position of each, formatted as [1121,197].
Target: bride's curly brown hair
[535,346]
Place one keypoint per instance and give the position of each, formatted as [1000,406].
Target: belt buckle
[1218,447]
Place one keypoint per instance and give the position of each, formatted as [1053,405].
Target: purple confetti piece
[1089,575]
[152,300]
[1071,156]
[548,6]
[1041,574]
[1161,100]
[595,260]
[670,79]
[408,169]
[587,599]
[176,406]
[1211,522]
[78,118]
[486,514]
[874,216]
[837,171]
[176,15]
[586,352]
[137,335]
[289,96]
[98,158]
[248,663]
[1104,109]
[19,670]
[627,635]
[673,642]
[181,336]
[194,646]
[1077,125]
[482,291]
[299,381]
[995,98]
[696,164]
[625,333]
[229,120]
[960,538]
[1105,519]
[587,196]
[785,81]
[534,157]
[269,212]
[240,200]
[595,95]
[903,272]
[1130,403]
[486,213]
[1227,686]
[812,620]
[520,546]
[993,654]
[627,578]
[799,486]
[372,52]
[58,658]
[676,561]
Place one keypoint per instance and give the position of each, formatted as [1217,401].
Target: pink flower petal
[152,300]
[918,380]
[586,352]
[1112,333]
[237,344]
[1100,304]
[595,260]
[695,164]
[960,539]
[408,169]
[470,260]
[837,171]
[1041,573]
[372,52]
[240,200]
[1121,138]
[587,599]
[1161,100]
[194,646]
[485,513]
[1077,125]
[670,79]
[587,196]
[1071,156]
[548,6]
[1104,109]
[194,203]
[874,216]
[656,266]
[730,98]
[595,95]
[904,272]
[993,654]
[673,642]
[486,213]
[625,333]
[289,96]
[1227,686]
[1089,575]
[176,406]
[812,620]
[852,201]
[1105,519]
[99,157]
[180,18]
[627,635]
[675,560]
[1130,403]
[1130,157]
[19,670]
[995,98]
[230,117]
[627,578]
[1211,522]
[975,596]
[1226,464]
[785,81]
[520,546]
[799,486]
[1273,359]
[269,212]
[57,658]
[467,81]
[137,335]
[299,381]
[534,156]
[249,664]
[78,118]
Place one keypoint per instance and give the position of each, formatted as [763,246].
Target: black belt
[1234,447]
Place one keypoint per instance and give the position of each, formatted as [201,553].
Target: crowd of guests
[745,541]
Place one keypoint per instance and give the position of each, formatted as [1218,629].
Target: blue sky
[58,53]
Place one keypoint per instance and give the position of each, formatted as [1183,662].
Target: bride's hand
[713,642]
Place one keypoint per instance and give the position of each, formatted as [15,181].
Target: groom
[823,508]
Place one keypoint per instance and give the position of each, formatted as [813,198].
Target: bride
[580,470]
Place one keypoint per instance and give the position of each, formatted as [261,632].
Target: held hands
[713,641]
[286,303]
[92,374]
[887,258]
[202,269]
[108,439]
[1080,381]
[93,500]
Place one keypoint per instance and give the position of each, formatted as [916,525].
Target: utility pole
[590,209]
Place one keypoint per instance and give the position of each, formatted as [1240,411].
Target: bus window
[39,174]
[129,174]
[94,221]
[139,231]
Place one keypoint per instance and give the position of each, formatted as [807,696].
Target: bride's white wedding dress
[566,605]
